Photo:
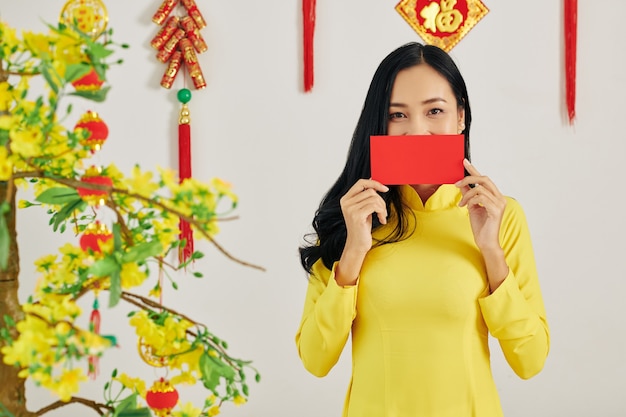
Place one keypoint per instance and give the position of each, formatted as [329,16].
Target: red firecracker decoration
[92,196]
[179,41]
[571,23]
[162,397]
[94,235]
[88,82]
[98,130]
[308,20]
[184,164]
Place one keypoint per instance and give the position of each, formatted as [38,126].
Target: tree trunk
[12,394]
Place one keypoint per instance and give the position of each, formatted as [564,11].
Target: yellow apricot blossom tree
[41,338]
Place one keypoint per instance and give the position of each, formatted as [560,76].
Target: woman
[420,274]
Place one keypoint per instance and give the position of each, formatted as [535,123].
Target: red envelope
[417,159]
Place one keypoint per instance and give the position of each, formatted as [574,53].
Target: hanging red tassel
[184,169]
[94,327]
[308,18]
[570,24]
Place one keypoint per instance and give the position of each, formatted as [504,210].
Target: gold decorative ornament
[89,16]
[146,353]
[442,23]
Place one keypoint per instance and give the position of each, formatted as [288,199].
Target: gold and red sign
[442,23]
[90,16]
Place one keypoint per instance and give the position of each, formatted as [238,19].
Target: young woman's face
[422,103]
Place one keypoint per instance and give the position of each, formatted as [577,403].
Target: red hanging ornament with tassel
[308,30]
[570,19]
[94,327]
[184,170]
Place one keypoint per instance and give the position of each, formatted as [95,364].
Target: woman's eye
[435,111]
[397,115]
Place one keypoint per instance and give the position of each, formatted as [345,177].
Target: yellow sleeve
[514,312]
[326,321]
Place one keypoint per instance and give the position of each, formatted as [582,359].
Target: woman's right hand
[358,206]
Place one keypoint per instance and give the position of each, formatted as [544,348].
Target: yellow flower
[155,291]
[26,142]
[63,328]
[239,400]
[223,188]
[6,120]
[45,263]
[114,173]
[6,97]
[183,378]
[68,48]
[135,384]
[141,183]
[166,230]
[6,166]
[132,276]
[192,359]
[213,411]
[37,43]
[168,176]
[68,383]
[187,410]
[8,39]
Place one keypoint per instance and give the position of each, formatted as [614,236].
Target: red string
[308,17]
[570,20]
[184,167]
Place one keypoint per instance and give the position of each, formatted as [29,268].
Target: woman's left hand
[485,204]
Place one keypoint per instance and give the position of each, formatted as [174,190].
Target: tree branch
[100,408]
[111,190]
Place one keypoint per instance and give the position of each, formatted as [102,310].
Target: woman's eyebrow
[427,101]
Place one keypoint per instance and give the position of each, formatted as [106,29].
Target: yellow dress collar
[446,196]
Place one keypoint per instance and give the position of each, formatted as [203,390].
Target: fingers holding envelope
[358,205]
[485,205]
[484,192]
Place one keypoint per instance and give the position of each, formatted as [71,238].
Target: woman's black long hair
[330,228]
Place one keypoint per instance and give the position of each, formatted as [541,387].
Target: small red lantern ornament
[92,196]
[88,82]
[162,397]
[98,130]
[94,235]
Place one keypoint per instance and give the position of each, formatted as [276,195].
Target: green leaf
[127,404]
[137,412]
[45,71]
[98,95]
[117,237]
[115,290]
[98,51]
[9,320]
[210,377]
[5,240]
[198,274]
[197,255]
[142,251]
[66,211]
[104,267]
[223,369]
[4,137]
[74,71]
[58,195]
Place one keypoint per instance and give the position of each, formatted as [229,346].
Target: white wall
[281,148]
